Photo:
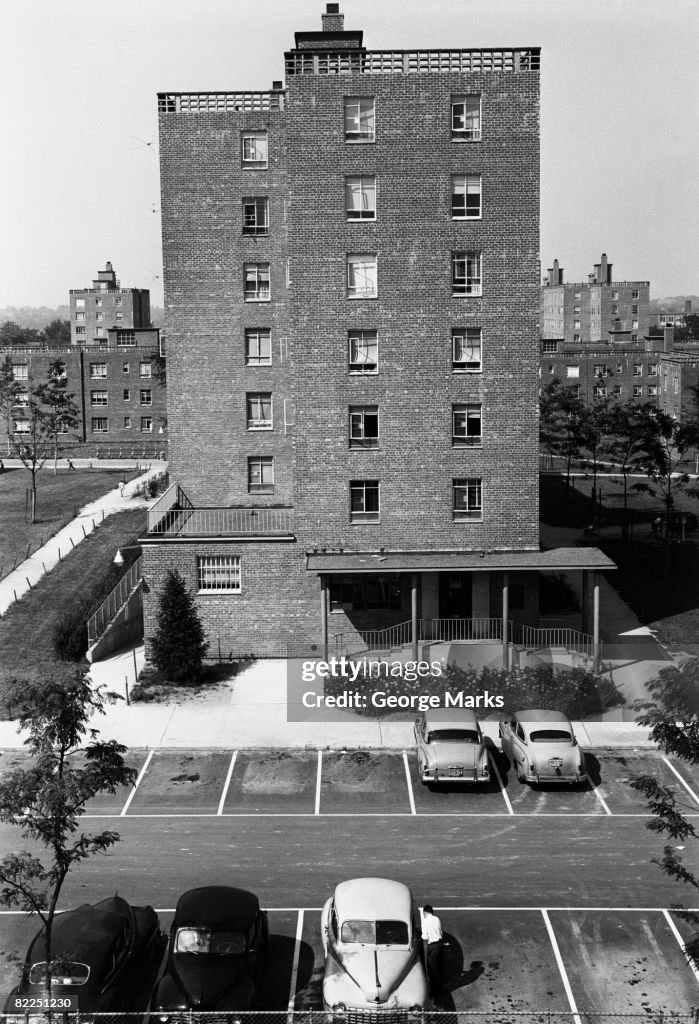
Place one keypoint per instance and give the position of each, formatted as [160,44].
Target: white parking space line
[597,793]
[411,795]
[673,928]
[691,792]
[227,783]
[318,780]
[522,815]
[482,909]
[136,784]
[295,968]
[510,809]
[561,968]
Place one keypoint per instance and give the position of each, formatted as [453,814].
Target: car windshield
[201,940]
[453,736]
[550,736]
[66,973]
[376,933]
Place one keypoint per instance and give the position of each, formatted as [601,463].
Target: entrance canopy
[474,561]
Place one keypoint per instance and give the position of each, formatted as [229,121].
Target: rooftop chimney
[603,271]
[333,21]
[687,306]
[668,339]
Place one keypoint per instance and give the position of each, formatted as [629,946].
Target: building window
[364,501]
[577,296]
[638,369]
[599,391]
[652,369]
[364,593]
[634,294]
[80,317]
[601,370]
[616,391]
[145,370]
[146,424]
[99,317]
[466,273]
[552,368]
[466,426]
[466,118]
[125,367]
[576,337]
[465,196]
[362,276]
[98,371]
[619,368]
[256,216]
[99,333]
[117,300]
[634,308]
[21,397]
[256,282]
[126,339]
[466,349]
[652,390]
[126,395]
[261,474]
[467,500]
[360,197]
[220,573]
[363,351]
[634,325]
[547,347]
[638,391]
[576,325]
[360,119]
[615,308]
[258,346]
[364,426]
[634,337]
[98,302]
[80,330]
[572,371]
[98,398]
[146,396]
[615,295]
[576,310]
[119,317]
[254,149]
[127,423]
[259,410]
[80,303]
[100,424]
[20,427]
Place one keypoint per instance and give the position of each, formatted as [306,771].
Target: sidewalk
[29,572]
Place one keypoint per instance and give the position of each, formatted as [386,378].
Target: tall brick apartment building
[106,304]
[351,292]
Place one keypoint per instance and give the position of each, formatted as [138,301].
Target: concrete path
[29,572]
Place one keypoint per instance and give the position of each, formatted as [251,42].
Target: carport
[484,568]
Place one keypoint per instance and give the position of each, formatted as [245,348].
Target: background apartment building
[351,292]
[106,304]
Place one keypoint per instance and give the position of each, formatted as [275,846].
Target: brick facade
[106,304]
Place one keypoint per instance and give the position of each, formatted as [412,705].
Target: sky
[79,180]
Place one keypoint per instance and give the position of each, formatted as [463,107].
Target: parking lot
[370,782]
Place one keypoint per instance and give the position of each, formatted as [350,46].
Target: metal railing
[98,622]
[214,102]
[536,638]
[461,629]
[428,630]
[222,522]
[173,498]
[300,62]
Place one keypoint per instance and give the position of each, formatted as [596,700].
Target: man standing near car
[432,942]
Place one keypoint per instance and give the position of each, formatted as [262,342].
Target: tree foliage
[178,646]
[561,414]
[45,800]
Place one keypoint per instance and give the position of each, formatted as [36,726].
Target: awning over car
[561,559]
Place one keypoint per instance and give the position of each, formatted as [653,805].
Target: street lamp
[119,558]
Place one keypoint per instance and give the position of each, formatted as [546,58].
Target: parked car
[542,747]
[450,746]
[217,943]
[371,932]
[105,959]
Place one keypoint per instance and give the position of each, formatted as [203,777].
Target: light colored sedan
[373,952]
[450,746]
[542,747]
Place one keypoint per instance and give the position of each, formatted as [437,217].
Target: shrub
[178,646]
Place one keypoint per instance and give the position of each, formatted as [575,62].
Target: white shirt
[431,927]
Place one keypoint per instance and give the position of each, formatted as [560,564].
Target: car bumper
[468,776]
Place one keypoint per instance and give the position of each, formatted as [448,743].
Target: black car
[217,943]
[105,958]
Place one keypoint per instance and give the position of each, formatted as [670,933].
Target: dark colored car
[217,944]
[105,957]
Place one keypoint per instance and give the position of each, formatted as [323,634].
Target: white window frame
[21,426]
[637,391]
[637,370]
[548,346]
[257,284]
[359,489]
[126,338]
[257,339]
[466,273]
[464,186]
[360,197]
[362,276]
[261,474]
[464,417]
[96,428]
[145,396]
[467,341]
[126,395]
[254,149]
[572,372]
[127,423]
[254,410]
[599,391]
[256,215]
[363,418]
[360,119]
[20,371]
[98,371]
[466,108]
[472,509]
[99,399]
[219,574]
[146,424]
[359,345]
[145,370]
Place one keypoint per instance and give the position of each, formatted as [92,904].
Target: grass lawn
[658,580]
[26,627]
[57,500]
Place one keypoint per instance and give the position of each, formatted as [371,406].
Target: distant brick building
[351,293]
[106,305]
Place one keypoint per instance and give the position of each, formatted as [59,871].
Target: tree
[592,428]
[672,714]
[57,332]
[560,417]
[60,413]
[12,335]
[667,444]
[46,800]
[630,423]
[178,646]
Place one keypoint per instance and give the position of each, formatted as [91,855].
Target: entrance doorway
[455,595]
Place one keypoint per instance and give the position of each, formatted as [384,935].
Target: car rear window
[68,973]
[550,736]
[201,940]
[453,736]
[376,933]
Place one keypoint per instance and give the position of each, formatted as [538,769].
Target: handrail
[100,619]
